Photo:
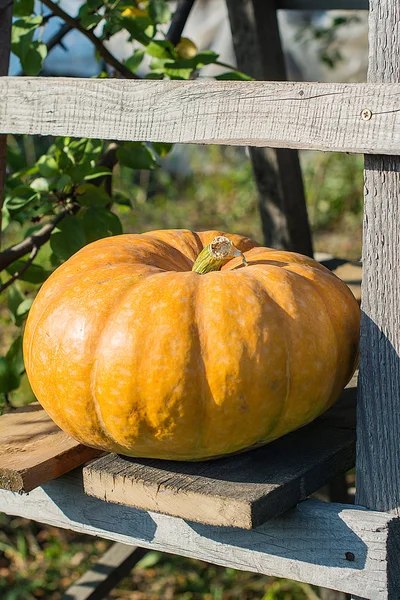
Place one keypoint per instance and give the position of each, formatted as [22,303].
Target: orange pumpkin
[130,350]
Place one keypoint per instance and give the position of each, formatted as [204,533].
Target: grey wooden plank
[378,484]
[314,542]
[323,4]
[104,575]
[378,445]
[277,172]
[243,490]
[324,116]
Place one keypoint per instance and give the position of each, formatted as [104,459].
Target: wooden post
[6,7]
[378,437]
[277,172]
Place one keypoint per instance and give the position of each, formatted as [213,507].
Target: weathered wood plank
[281,114]
[102,577]
[310,543]
[378,440]
[33,450]
[244,490]
[277,173]
[378,465]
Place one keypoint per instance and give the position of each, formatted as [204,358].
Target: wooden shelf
[243,490]
[33,450]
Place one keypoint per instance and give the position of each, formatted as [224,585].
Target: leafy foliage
[70,181]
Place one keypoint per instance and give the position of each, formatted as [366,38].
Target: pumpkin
[182,345]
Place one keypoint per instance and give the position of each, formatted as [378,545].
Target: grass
[215,190]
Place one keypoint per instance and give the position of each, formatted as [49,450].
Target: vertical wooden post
[378,433]
[6,7]
[378,423]
[277,172]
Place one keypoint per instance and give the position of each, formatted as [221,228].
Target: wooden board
[105,574]
[34,450]
[319,116]
[314,542]
[243,490]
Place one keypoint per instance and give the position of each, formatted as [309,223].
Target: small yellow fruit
[186,48]
[135,12]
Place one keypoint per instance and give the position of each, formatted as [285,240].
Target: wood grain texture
[282,204]
[34,450]
[251,113]
[105,574]
[6,8]
[243,490]
[378,463]
[309,543]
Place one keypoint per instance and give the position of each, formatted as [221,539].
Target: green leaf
[5,218]
[15,357]
[23,8]
[63,182]
[48,166]
[154,76]
[162,148]
[22,34]
[201,59]
[234,76]
[33,274]
[67,238]
[32,62]
[90,21]
[99,223]
[21,197]
[9,380]
[40,184]
[135,60]
[149,560]
[23,310]
[136,155]
[94,4]
[92,195]
[161,49]
[15,158]
[18,305]
[97,172]
[159,11]
[137,29]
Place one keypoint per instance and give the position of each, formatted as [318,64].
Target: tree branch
[36,240]
[22,270]
[59,36]
[98,44]
[178,21]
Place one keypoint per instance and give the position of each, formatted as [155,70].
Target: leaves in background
[67,238]
[159,11]
[18,304]
[22,34]
[136,155]
[23,8]
[33,274]
[32,62]
[100,223]
[92,195]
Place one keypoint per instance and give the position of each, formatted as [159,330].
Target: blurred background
[195,187]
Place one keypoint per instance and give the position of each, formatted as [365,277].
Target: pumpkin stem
[214,256]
